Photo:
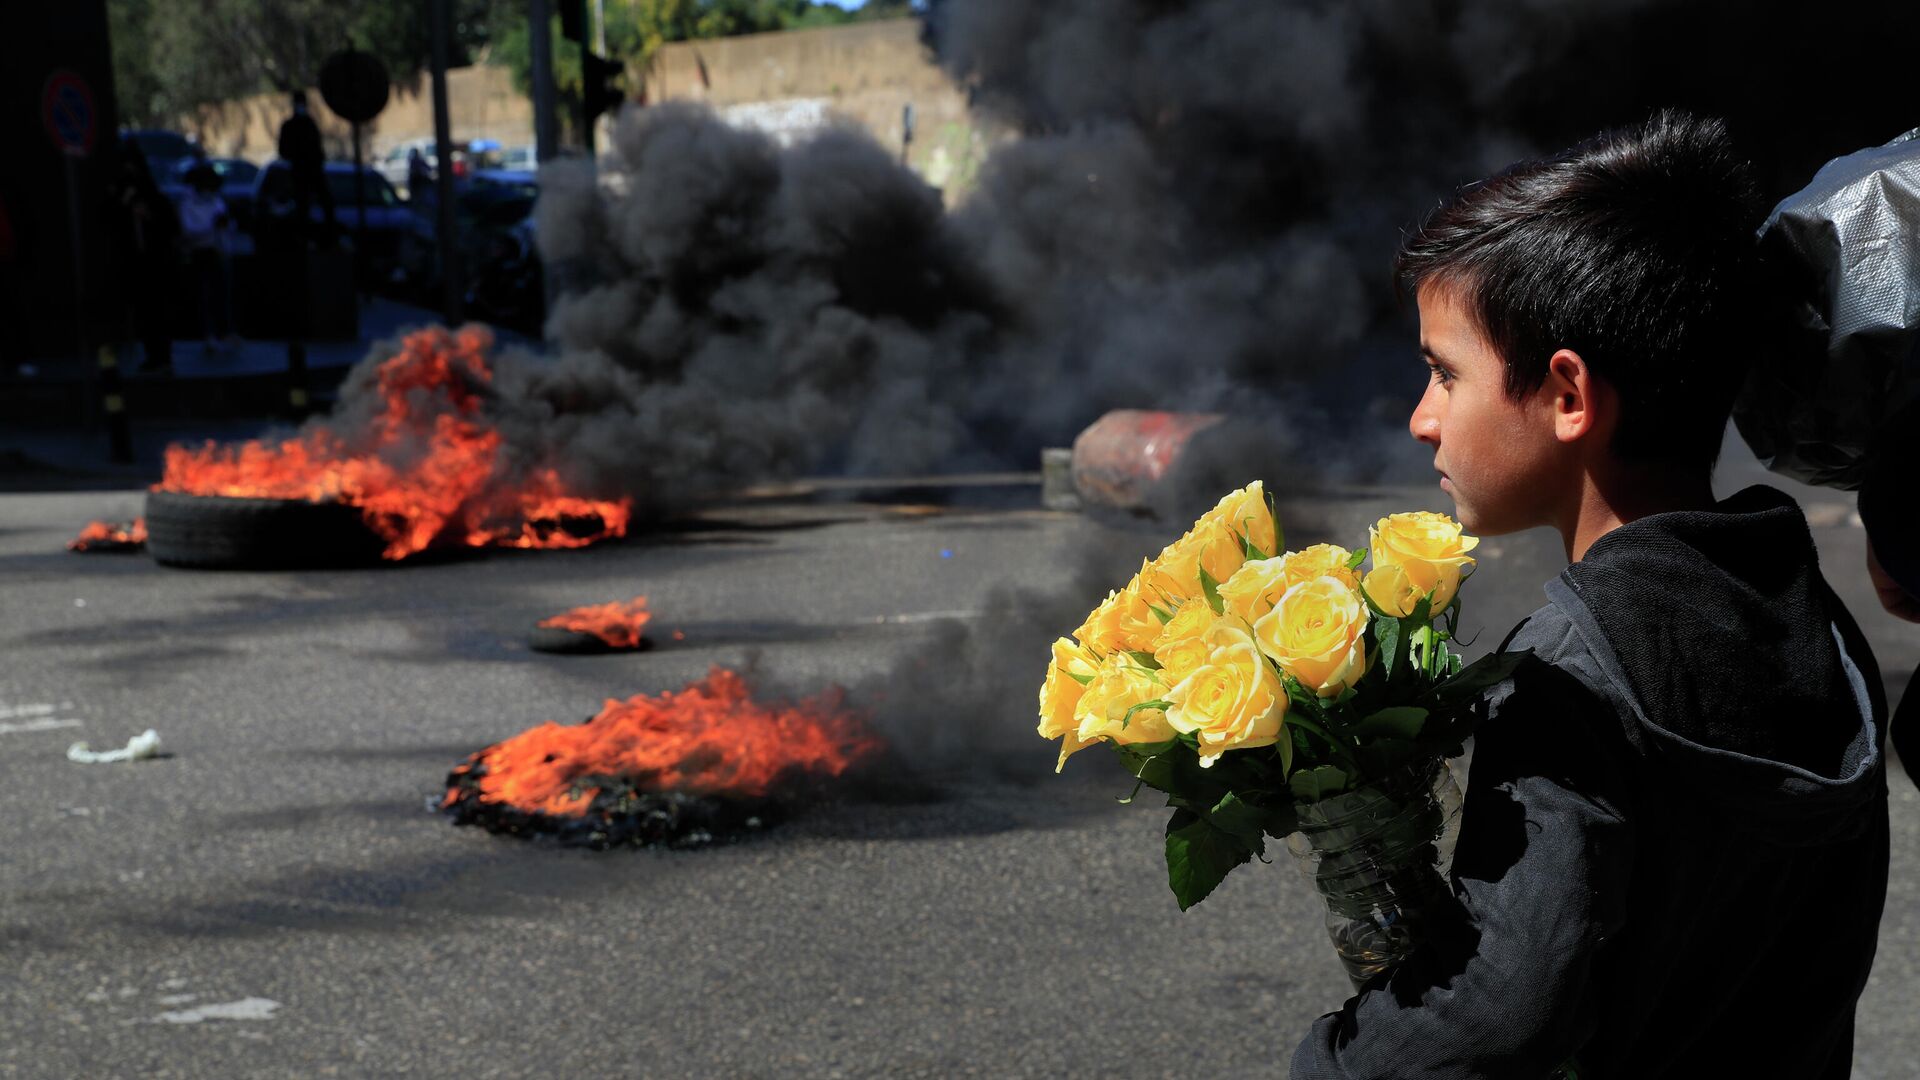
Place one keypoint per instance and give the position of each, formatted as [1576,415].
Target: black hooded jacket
[1673,855]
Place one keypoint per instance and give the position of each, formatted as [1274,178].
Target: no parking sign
[66,108]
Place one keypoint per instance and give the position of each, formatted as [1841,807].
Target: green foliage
[1199,856]
[1318,782]
[170,56]
[1211,589]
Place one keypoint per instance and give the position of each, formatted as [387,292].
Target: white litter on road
[41,723]
[144,745]
[252,1008]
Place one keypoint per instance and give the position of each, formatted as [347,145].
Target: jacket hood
[1741,673]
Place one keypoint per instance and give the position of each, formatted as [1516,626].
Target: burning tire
[217,532]
[554,639]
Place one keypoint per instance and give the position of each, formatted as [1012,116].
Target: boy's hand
[1899,603]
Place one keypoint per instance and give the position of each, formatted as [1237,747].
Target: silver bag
[1848,247]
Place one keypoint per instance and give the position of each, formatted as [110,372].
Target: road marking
[11,712]
[252,1008]
[44,723]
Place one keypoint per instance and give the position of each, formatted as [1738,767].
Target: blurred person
[419,177]
[205,230]
[148,234]
[301,149]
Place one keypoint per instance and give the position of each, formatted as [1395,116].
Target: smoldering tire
[215,532]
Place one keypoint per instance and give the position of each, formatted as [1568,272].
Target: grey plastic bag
[1847,248]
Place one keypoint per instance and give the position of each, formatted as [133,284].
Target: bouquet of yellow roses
[1288,694]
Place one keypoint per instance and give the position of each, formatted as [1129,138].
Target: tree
[635,29]
[170,56]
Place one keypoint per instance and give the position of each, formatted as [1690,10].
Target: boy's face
[1498,457]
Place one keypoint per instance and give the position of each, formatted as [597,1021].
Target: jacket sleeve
[1501,987]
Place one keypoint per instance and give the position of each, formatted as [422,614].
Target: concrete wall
[788,82]
[785,83]
[481,100]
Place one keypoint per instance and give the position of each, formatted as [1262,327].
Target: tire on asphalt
[210,532]
[553,639]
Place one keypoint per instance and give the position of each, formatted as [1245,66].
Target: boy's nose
[1425,424]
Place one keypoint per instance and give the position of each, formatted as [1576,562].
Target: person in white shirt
[205,226]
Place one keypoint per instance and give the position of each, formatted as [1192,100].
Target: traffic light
[573,20]
[598,76]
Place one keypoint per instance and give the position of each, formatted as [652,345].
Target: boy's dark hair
[1634,249]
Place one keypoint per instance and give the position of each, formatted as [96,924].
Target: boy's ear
[1582,405]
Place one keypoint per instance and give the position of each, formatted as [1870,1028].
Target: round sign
[66,107]
[355,85]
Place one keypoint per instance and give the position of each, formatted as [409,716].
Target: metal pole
[112,398]
[586,118]
[599,46]
[546,140]
[442,29]
[360,200]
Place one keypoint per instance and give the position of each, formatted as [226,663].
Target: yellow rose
[1233,700]
[1183,643]
[1060,696]
[1428,547]
[1175,574]
[1316,633]
[1123,621]
[1388,587]
[1122,684]
[1247,514]
[1257,586]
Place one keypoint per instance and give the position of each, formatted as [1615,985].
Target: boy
[1673,856]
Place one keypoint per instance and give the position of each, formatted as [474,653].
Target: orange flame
[710,739]
[618,624]
[110,534]
[425,471]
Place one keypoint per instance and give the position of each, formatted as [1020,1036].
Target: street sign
[355,85]
[67,110]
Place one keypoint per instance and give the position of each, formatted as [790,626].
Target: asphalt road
[977,916]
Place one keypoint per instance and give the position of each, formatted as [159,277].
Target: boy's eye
[1440,375]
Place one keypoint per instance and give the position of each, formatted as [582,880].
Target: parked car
[164,150]
[493,215]
[388,219]
[519,158]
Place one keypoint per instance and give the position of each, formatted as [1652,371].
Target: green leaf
[1173,767]
[1164,616]
[1144,659]
[1083,680]
[1285,746]
[1199,857]
[1248,550]
[1393,645]
[1318,782]
[1279,534]
[1299,719]
[1212,590]
[1358,557]
[1396,722]
[1154,704]
[1241,819]
[1421,610]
